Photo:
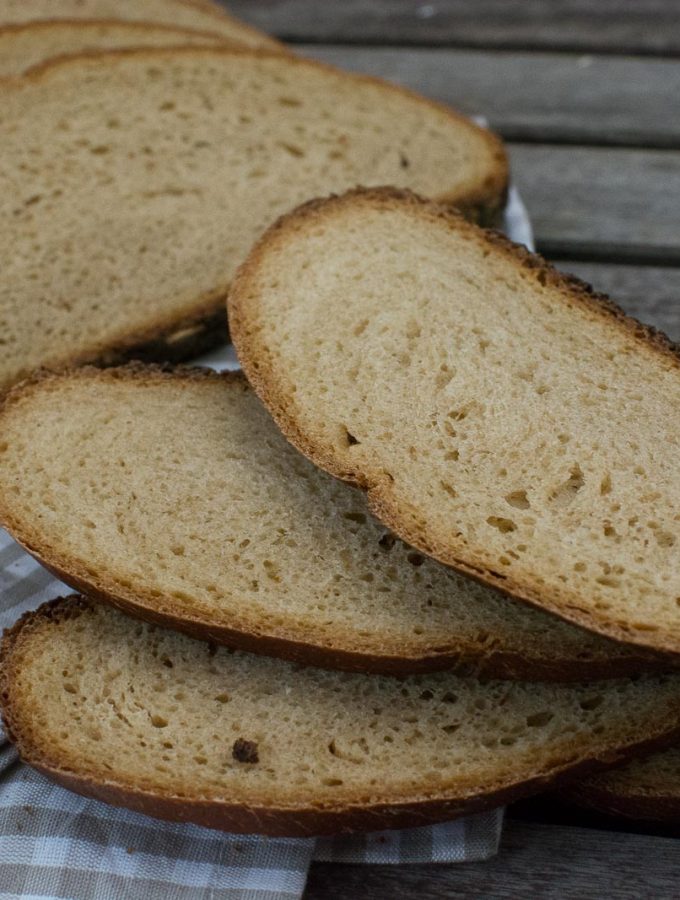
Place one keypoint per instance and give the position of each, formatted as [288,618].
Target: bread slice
[176,728]
[502,417]
[173,495]
[133,183]
[25,46]
[646,789]
[180,13]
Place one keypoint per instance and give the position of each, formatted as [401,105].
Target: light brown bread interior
[25,46]
[173,494]
[503,419]
[180,13]
[133,184]
[156,721]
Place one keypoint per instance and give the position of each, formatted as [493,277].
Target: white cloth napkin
[55,844]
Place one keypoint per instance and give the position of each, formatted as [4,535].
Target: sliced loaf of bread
[646,789]
[176,728]
[25,46]
[180,13]
[174,496]
[134,182]
[502,417]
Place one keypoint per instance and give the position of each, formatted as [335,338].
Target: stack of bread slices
[421,556]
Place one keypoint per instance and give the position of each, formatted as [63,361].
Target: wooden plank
[543,862]
[648,293]
[551,97]
[601,204]
[646,26]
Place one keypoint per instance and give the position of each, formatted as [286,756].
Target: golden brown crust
[215,12]
[378,484]
[292,642]
[306,819]
[463,658]
[129,24]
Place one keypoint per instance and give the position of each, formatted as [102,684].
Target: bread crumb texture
[24,46]
[175,491]
[133,185]
[503,418]
[89,691]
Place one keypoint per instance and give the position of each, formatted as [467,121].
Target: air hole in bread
[608,581]
[387,542]
[355,517]
[565,493]
[592,702]
[502,524]
[448,488]
[664,538]
[518,499]
[539,719]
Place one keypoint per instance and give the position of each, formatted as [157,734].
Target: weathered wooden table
[587,95]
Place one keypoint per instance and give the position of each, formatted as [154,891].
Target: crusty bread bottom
[172,495]
[180,729]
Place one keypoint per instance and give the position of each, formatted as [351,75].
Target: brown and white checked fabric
[55,844]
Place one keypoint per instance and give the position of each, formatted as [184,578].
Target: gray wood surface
[638,26]
[555,97]
[602,203]
[540,862]
[651,294]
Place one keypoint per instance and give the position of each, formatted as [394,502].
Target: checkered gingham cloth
[55,844]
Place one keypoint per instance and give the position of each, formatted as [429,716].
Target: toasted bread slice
[180,13]
[134,182]
[174,496]
[503,418]
[646,789]
[176,728]
[30,44]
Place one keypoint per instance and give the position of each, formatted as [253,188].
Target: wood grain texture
[646,26]
[551,97]
[650,293]
[598,203]
[543,862]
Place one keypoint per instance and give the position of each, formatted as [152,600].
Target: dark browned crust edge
[11,28]
[168,340]
[592,793]
[377,484]
[292,821]
[265,41]
[216,13]
[132,25]
[291,643]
